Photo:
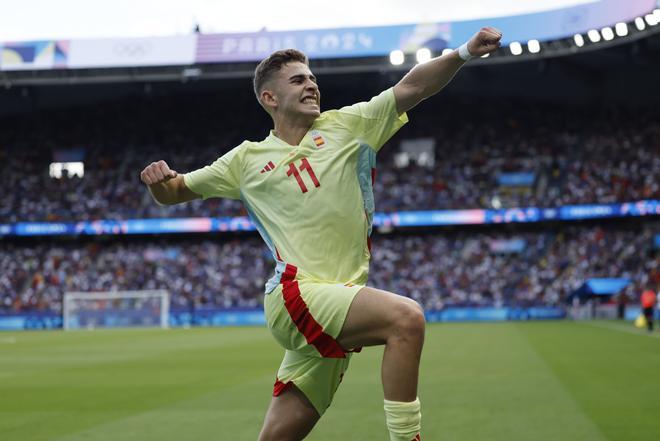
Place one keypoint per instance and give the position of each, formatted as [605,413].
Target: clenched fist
[157,172]
[486,41]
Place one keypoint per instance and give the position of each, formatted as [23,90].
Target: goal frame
[113,295]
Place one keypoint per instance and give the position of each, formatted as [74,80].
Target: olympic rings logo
[133,49]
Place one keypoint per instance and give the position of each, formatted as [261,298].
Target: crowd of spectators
[436,269]
[575,156]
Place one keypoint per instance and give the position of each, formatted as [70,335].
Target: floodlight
[579,40]
[423,55]
[608,33]
[516,48]
[534,46]
[594,36]
[396,57]
[621,29]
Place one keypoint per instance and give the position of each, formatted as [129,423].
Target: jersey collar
[272,138]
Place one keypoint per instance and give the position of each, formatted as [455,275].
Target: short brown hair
[271,65]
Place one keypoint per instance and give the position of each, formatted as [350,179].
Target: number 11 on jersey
[293,170]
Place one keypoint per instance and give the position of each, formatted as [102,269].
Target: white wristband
[464,53]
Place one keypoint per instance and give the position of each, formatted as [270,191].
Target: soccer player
[308,190]
[648,300]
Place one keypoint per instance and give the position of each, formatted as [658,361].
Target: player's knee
[410,322]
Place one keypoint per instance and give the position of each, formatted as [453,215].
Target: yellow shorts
[306,317]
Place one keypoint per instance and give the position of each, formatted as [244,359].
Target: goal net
[115,309]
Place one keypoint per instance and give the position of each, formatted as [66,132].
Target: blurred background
[525,196]
[530,181]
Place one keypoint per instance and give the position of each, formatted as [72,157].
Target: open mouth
[309,100]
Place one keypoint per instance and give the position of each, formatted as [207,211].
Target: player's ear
[268,99]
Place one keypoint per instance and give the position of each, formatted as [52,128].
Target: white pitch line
[621,328]
[8,340]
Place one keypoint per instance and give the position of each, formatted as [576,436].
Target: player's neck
[292,132]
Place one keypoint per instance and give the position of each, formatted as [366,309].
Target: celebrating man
[308,190]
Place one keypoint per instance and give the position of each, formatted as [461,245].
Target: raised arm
[427,79]
[165,185]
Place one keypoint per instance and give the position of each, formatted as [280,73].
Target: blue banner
[495,314]
[255,317]
[436,36]
[519,179]
[508,246]
[606,286]
[317,43]
[399,219]
[27,321]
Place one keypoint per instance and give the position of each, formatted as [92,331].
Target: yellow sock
[403,420]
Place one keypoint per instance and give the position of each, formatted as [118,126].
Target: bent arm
[166,186]
[172,192]
[427,79]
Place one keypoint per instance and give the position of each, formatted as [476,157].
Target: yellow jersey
[312,203]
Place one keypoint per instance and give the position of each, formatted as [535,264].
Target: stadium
[519,207]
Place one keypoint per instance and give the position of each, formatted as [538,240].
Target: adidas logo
[270,166]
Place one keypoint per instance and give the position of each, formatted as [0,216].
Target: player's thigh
[307,316]
[375,315]
[290,417]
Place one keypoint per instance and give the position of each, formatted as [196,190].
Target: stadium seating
[575,157]
[438,270]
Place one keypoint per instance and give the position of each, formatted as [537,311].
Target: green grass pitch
[545,381]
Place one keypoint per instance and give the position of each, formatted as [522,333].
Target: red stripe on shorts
[306,324]
[280,387]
